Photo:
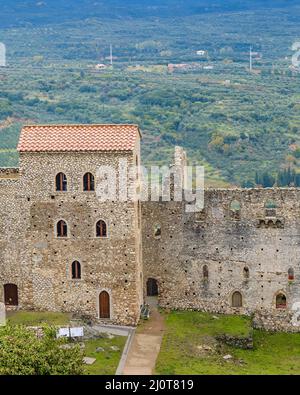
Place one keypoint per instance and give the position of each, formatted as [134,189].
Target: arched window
[291,275]
[205,272]
[246,272]
[76,270]
[235,206]
[101,229]
[237,300]
[88,182]
[235,210]
[157,231]
[61,229]
[61,182]
[280,301]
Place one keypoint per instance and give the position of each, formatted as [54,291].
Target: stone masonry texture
[199,260]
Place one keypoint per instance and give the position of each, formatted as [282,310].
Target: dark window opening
[101,229]
[205,272]
[246,272]
[88,182]
[152,287]
[61,182]
[157,231]
[280,301]
[76,270]
[62,229]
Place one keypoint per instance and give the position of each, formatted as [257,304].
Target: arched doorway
[10,295]
[152,287]
[104,305]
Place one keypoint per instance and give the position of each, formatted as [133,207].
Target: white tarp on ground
[76,332]
[70,332]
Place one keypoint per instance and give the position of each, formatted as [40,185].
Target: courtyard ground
[146,343]
[189,346]
[107,353]
[36,318]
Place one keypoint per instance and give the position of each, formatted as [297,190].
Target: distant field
[189,347]
[234,122]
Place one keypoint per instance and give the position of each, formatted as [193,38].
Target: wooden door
[152,287]
[237,300]
[11,295]
[104,305]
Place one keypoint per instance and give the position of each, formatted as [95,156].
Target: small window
[88,182]
[61,229]
[205,272]
[237,300]
[101,229]
[235,206]
[235,210]
[270,204]
[291,275]
[157,231]
[280,301]
[270,208]
[61,182]
[76,270]
[246,272]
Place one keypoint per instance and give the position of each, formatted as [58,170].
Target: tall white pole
[111,55]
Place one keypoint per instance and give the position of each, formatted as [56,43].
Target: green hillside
[244,127]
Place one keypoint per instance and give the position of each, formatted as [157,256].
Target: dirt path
[146,344]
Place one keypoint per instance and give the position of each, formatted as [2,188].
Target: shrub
[23,353]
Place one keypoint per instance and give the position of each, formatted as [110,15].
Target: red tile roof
[64,138]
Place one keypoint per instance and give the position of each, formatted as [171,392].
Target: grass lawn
[36,318]
[107,361]
[190,347]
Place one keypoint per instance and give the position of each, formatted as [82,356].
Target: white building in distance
[2,55]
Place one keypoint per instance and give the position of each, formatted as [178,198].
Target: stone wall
[199,260]
[263,241]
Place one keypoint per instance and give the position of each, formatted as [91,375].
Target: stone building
[64,249]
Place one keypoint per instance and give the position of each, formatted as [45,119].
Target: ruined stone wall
[39,263]
[263,240]
[259,237]
[9,172]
